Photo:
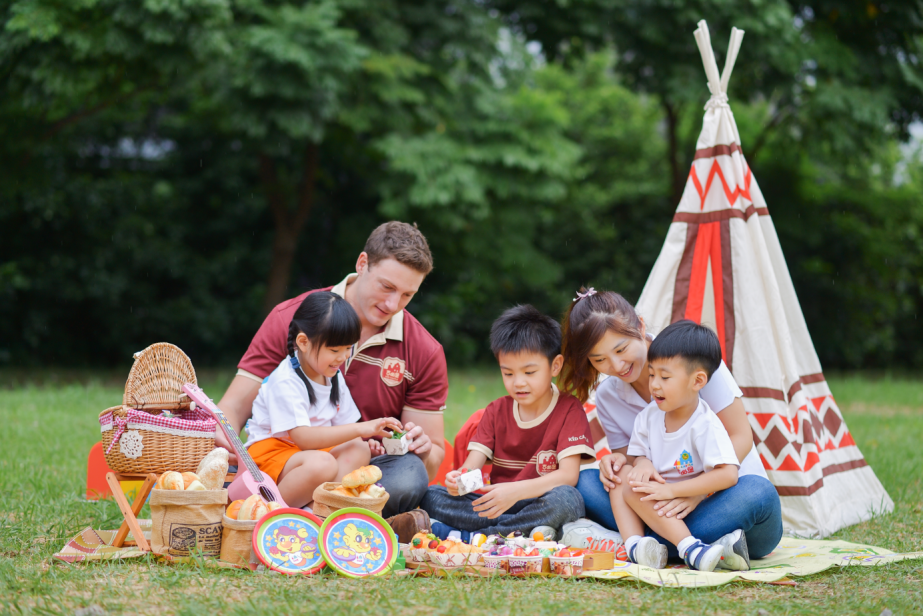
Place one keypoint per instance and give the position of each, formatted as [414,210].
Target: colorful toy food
[567,563]
[397,444]
[213,469]
[538,536]
[375,490]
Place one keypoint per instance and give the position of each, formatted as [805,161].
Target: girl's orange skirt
[271,454]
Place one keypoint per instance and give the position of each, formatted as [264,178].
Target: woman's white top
[618,404]
[283,404]
[701,444]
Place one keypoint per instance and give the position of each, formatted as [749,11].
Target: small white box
[396,446]
[469,482]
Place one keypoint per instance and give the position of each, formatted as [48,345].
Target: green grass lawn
[47,429]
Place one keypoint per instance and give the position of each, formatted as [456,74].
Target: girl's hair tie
[589,292]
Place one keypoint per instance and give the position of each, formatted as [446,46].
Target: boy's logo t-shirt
[699,446]
[523,450]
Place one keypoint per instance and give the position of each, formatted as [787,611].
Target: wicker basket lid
[157,377]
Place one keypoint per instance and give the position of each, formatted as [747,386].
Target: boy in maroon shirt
[537,438]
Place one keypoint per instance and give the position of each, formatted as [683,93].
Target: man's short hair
[523,328]
[695,344]
[401,242]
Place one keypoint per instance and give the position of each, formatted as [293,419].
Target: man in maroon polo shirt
[397,369]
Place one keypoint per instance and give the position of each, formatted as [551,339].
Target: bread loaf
[171,480]
[188,478]
[362,477]
[213,469]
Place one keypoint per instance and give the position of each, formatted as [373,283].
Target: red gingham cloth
[195,421]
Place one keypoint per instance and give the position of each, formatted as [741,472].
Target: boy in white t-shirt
[680,449]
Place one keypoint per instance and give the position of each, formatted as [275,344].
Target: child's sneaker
[703,557]
[586,534]
[736,555]
[648,552]
[547,532]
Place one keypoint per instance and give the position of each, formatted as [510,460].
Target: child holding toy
[681,449]
[303,431]
[536,437]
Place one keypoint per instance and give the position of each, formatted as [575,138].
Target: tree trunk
[679,181]
[288,223]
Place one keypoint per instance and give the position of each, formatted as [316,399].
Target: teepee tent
[722,265]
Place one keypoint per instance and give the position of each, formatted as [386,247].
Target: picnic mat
[92,544]
[793,557]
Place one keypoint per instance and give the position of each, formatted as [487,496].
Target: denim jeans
[752,505]
[405,479]
[555,508]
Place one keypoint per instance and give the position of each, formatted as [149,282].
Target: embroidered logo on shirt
[546,462]
[392,371]
[684,464]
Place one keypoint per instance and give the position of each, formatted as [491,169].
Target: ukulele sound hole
[266,494]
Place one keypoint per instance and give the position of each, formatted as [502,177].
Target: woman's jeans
[752,505]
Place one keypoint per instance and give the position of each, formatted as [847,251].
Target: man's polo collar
[394,329]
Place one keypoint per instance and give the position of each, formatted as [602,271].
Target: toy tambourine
[285,540]
[357,543]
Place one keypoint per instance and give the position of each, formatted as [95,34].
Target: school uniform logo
[392,371]
[684,465]
[546,462]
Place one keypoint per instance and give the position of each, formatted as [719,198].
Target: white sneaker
[649,552]
[736,555]
[587,534]
[704,557]
[547,532]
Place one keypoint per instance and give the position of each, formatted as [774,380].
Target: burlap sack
[237,541]
[326,502]
[184,522]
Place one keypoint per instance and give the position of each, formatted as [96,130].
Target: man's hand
[655,491]
[497,499]
[679,507]
[643,471]
[376,448]
[421,444]
[451,483]
[608,469]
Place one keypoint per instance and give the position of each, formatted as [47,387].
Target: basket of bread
[155,429]
[359,488]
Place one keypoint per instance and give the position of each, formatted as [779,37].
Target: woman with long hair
[604,335]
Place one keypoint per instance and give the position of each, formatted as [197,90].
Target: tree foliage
[175,167]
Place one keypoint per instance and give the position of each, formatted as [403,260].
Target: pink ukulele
[249,480]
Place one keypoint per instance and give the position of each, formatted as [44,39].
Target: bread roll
[188,478]
[195,485]
[213,469]
[374,491]
[253,508]
[351,493]
[273,505]
[171,480]
[233,508]
[362,477]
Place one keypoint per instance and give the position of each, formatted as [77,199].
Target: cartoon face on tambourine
[358,543]
[285,540]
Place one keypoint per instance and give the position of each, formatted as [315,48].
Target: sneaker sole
[652,554]
[736,555]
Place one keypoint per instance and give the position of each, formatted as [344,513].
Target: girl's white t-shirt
[283,404]
[618,404]
[697,447]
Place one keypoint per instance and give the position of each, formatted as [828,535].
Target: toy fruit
[533,552]
[505,551]
[441,549]
[519,552]
[538,536]
[433,544]
[233,508]
[478,539]
[417,542]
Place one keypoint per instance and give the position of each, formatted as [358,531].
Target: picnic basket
[137,437]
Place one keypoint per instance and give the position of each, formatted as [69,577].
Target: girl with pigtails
[304,429]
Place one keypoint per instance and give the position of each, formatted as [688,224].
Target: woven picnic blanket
[793,557]
[92,544]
